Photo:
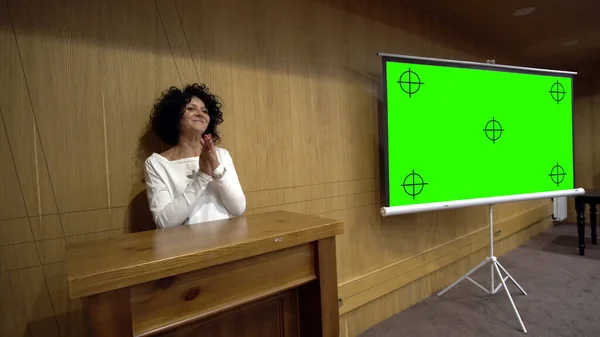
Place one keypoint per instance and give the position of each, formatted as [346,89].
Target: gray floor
[563,296]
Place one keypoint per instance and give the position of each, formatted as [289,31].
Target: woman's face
[195,118]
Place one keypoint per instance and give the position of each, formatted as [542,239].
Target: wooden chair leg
[580,208]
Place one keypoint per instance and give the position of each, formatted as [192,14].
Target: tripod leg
[511,278]
[463,277]
[495,263]
[492,289]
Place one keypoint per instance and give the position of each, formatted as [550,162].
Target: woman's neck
[185,148]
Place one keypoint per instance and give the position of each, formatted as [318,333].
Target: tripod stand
[494,266]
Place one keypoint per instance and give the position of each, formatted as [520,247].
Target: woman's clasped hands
[208,157]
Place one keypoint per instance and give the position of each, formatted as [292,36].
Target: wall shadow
[41,327]
[287,37]
[411,18]
[43,322]
[139,215]
[138,211]
[71,323]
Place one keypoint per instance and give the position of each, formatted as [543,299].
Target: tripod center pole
[492,286]
[491,231]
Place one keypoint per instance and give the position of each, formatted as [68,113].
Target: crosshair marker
[406,80]
[557,174]
[417,182]
[495,130]
[557,92]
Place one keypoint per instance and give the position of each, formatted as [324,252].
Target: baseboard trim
[366,288]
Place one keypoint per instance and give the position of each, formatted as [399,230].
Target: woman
[193,181]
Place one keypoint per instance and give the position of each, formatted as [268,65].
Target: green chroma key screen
[456,133]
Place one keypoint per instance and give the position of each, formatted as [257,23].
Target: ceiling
[545,37]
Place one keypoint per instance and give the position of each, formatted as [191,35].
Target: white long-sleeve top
[179,193]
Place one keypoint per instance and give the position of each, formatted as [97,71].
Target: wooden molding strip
[368,287]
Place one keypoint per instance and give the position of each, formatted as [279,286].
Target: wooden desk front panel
[274,316]
[170,302]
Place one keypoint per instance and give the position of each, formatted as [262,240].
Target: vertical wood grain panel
[206,38]
[87,222]
[171,22]
[21,127]
[11,198]
[595,102]
[359,143]
[51,251]
[67,311]
[15,231]
[114,114]
[143,63]
[26,306]
[586,137]
[46,227]
[63,68]
[18,256]
[94,236]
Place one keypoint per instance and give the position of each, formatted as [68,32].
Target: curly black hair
[170,107]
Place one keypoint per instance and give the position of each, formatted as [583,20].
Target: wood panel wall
[586,121]
[299,80]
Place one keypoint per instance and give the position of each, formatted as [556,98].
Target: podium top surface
[102,265]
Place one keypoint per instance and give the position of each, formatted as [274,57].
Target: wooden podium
[270,274]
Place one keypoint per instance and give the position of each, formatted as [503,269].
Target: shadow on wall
[414,23]
[597,182]
[41,327]
[138,211]
[36,315]
[306,30]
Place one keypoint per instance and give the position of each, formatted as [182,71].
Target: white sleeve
[229,186]
[166,211]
